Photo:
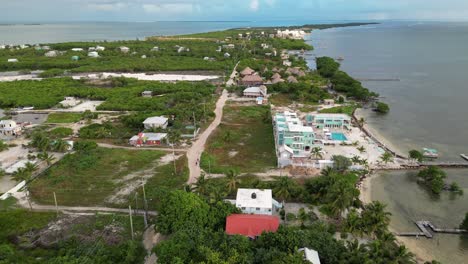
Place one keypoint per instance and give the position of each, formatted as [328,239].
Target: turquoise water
[338,136]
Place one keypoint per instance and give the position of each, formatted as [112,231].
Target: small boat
[464,156]
[430,153]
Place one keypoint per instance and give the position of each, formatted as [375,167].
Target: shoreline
[420,253]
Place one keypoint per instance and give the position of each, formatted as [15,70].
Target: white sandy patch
[151,77]
[233,153]
[87,105]
[19,78]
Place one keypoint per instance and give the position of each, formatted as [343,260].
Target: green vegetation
[341,163]
[3,146]
[90,175]
[116,131]
[382,108]
[416,155]
[433,177]
[61,132]
[386,157]
[41,141]
[346,109]
[464,224]
[342,82]
[24,238]
[244,141]
[64,117]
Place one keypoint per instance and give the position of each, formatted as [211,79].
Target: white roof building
[156,122]
[100,48]
[256,201]
[52,53]
[310,255]
[12,60]
[77,49]
[255,91]
[93,54]
[124,49]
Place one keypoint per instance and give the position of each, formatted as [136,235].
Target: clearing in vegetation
[57,118]
[88,177]
[244,141]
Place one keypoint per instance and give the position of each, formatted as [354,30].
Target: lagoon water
[428,109]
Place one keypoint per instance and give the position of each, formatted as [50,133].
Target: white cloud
[254,5]
[107,6]
[178,8]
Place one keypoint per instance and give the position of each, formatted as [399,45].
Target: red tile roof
[251,225]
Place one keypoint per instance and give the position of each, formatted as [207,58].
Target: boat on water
[464,156]
[430,153]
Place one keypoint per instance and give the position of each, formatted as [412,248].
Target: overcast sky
[245,10]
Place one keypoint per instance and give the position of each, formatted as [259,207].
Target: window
[258,209]
[243,208]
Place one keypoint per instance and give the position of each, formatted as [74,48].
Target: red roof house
[251,225]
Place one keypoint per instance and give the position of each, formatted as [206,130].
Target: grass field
[346,109]
[58,118]
[244,141]
[88,178]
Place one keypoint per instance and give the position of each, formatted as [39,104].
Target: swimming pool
[338,136]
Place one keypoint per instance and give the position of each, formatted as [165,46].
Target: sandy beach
[422,255]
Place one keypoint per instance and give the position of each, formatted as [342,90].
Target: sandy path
[104,145]
[194,153]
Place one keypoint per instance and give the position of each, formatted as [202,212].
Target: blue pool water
[338,136]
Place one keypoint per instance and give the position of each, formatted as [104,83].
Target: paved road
[104,145]
[194,153]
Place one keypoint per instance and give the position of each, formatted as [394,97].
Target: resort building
[329,102]
[255,91]
[93,54]
[251,226]
[321,121]
[156,122]
[124,49]
[255,201]
[251,80]
[247,71]
[293,135]
[77,49]
[9,128]
[148,139]
[12,60]
[148,94]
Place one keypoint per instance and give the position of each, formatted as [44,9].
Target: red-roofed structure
[251,225]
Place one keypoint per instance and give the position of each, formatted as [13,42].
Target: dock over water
[426,226]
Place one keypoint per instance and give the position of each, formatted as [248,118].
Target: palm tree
[317,152]
[282,188]
[216,193]
[31,167]
[375,217]
[101,132]
[356,159]
[361,122]
[48,158]
[303,216]
[328,171]
[60,145]
[22,174]
[228,136]
[201,186]
[353,223]
[403,256]
[386,157]
[232,180]
[361,149]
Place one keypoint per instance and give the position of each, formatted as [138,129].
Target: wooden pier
[425,226]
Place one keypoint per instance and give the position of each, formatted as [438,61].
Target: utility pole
[27,198]
[131,220]
[174,159]
[145,204]
[209,167]
[194,121]
[136,201]
[56,206]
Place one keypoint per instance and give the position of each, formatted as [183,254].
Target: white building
[310,255]
[255,91]
[290,34]
[156,122]
[12,60]
[70,102]
[93,54]
[9,128]
[77,49]
[124,49]
[51,54]
[256,201]
[155,48]
[100,48]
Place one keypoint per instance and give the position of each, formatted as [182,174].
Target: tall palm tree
[303,216]
[201,186]
[328,171]
[31,167]
[215,193]
[48,158]
[353,223]
[361,149]
[375,217]
[317,152]
[22,174]
[403,256]
[361,122]
[356,159]
[386,157]
[232,180]
[282,188]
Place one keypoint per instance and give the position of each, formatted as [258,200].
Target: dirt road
[104,145]
[194,153]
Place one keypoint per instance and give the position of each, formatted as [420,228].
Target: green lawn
[243,141]
[88,178]
[56,118]
[346,109]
